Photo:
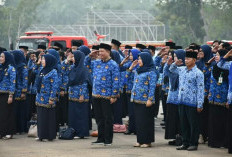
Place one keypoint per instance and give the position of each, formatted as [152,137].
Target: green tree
[183,20]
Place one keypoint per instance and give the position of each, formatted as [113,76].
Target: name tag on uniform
[220,80]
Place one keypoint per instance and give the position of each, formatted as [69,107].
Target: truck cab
[33,39]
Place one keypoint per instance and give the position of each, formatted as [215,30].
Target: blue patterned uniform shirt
[191,85]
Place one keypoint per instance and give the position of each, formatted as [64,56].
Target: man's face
[74,48]
[103,53]
[189,61]
[115,47]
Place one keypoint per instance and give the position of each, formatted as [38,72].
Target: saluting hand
[179,62]
[124,60]
[211,60]
[170,61]
[229,54]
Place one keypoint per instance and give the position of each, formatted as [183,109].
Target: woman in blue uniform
[224,64]
[143,99]
[172,123]
[217,103]
[21,90]
[79,79]
[129,80]
[47,86]
[7,90]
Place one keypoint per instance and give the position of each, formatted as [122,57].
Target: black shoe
[162,124]
[98,143]
[183,147]
[128,132]
[192,148]
[172,143]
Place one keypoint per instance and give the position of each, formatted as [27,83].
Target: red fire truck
[33,39]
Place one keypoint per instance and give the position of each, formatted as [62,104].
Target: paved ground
[21,146]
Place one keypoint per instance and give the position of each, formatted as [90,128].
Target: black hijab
[148,64]
[217,72]
[20,62]
[79,73]
[50,65]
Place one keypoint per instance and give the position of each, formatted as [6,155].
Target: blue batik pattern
[191,85]
[49,88]
[172,94]
[8,83]
[106,77]
[226,65]
[207,74]
[144,87]
[21,84]
[79,90]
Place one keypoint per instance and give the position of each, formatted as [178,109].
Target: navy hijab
[9,60]
[148,64]
[50,65]
[57,57]
[85,50]
[135,53]
[174,79]
[207,50]
[115,56]
[20,61]
[79,73]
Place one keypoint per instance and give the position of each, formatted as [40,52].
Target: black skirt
[217,126]
[144,119]
[46,123]
[172,127]
[79,118]
[21,110]
[229,124]
[7,116]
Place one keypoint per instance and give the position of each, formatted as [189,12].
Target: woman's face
[43,62]
[131,57]
[2,58]
[217,57]
[140,62]
[175,57]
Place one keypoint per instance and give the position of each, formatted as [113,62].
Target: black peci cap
[116,42]
[150,47]
[23,47]
[105,46]
[128,47]
[141,46]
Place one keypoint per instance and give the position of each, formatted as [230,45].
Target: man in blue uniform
[191,98]
[105,92]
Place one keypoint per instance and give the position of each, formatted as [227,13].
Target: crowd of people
[70,87]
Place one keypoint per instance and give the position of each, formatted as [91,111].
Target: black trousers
[229,126]
[164,104]
[131,113]
[157,100]
[204,120]
[103,112]
[189,120]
